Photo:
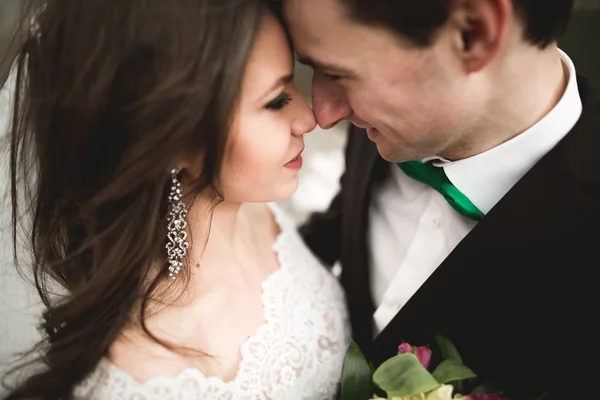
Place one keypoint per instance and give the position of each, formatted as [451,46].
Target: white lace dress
[297,354]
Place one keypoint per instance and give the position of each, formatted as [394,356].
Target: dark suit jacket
[518,296]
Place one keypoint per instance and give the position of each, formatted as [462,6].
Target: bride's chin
[281,190]
[286,189]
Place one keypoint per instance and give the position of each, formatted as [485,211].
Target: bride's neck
[214,231]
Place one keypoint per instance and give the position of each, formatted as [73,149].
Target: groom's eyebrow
[320,65]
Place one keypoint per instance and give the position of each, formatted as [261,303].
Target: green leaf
[404,375]
[372,366]
[452,371]
[356,375]
[448,350]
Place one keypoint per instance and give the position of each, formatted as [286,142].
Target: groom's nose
[329,102]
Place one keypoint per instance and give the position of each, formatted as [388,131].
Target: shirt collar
[487,177]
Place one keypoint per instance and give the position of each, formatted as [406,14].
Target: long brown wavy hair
[110,96]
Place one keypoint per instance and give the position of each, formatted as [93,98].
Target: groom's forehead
[315,15]
[319,23]
[326,38]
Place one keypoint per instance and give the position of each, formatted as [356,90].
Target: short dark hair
[418,21]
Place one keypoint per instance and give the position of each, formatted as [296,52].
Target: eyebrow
[320,65]
[284,80]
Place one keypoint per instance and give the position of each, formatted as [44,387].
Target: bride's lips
[296,162]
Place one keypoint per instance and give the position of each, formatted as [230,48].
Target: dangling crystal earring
[177,244]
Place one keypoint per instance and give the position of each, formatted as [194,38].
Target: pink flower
[485,396]
[423,354]
[404,348]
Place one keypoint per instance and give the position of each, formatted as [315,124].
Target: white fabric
[297,354]
[413,229]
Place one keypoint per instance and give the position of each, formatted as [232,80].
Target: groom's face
[414,102]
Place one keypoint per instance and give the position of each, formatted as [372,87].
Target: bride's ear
[190,168]
[481,30]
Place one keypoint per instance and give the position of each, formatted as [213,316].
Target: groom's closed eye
[332,77]
[330,71]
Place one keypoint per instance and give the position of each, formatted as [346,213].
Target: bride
[155,137]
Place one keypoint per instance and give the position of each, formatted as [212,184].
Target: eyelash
[279,103]
[332,78]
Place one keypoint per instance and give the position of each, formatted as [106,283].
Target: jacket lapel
[366,168]
[527,228]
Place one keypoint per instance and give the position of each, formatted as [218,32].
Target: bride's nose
[304,119]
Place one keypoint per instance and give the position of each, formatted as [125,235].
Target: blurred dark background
[582,41]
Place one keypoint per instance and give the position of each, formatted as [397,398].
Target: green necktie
[437,179]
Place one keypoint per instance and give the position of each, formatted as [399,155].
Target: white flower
[444,392]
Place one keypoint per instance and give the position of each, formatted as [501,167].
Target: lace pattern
[297,354]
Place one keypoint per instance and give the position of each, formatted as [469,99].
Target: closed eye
[279,103]
[332,77]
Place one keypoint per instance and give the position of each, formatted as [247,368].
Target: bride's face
[261,161]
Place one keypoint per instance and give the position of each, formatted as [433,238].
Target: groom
[470,204]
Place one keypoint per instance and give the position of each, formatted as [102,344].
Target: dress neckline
[269,317]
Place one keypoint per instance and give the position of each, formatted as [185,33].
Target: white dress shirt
[413,229]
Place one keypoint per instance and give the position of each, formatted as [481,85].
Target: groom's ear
[481,30]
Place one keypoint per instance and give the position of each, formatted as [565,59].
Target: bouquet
[407,377]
